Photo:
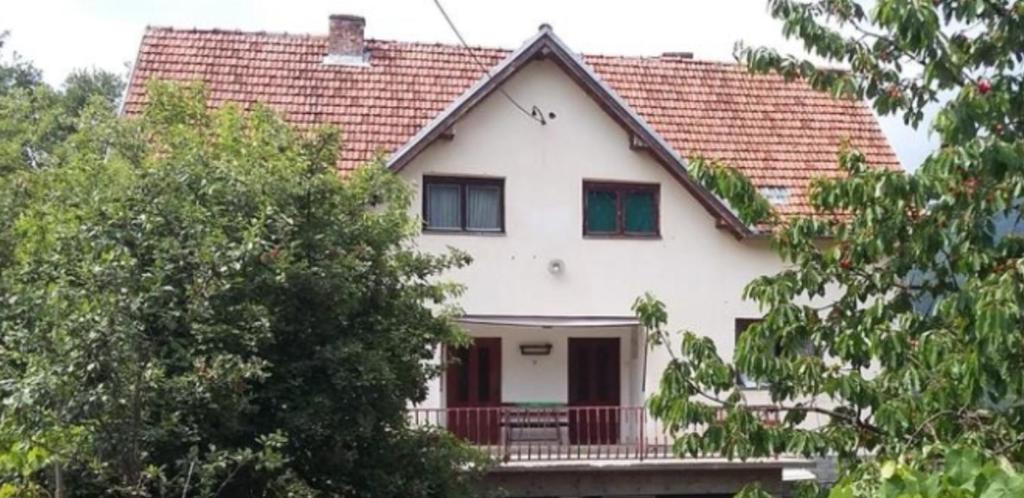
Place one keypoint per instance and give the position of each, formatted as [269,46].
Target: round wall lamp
[556,267]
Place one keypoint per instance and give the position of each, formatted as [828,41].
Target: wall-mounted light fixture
[556,267]
[535,349]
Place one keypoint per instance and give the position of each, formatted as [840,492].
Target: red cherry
[846,264]
[984,86]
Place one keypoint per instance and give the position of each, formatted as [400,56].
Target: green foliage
[751,208]
[84,85]
[38,119]
[196,304]
[16,72]
[909,287]
[951,474]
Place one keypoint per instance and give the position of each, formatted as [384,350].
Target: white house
[564,177]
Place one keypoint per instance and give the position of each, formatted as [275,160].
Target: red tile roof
[780,133]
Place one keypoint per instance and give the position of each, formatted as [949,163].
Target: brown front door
[593,390]
[474,390]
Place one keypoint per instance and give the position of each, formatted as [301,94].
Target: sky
[61,35]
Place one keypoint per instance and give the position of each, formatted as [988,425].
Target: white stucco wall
[696,268]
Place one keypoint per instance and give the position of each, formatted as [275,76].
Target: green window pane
[601,216]
[640,212]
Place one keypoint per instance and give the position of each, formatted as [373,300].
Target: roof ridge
[695,60]
[441,44]
[229,31]
[490,48]
[660,58]
[223,31]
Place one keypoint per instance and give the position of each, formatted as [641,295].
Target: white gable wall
[696,268]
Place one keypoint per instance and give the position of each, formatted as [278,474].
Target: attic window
[463,204]
[620,209]
[777,195]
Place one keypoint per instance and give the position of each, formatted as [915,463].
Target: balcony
[560,433]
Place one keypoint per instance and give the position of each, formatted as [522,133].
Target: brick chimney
[345,44]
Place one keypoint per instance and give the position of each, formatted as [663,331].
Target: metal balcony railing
[511,433]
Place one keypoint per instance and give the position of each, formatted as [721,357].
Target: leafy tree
[37,118]
[904,284]
[196,304]
[16,72]
[84,85]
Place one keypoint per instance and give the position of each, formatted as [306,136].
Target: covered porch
[536,388]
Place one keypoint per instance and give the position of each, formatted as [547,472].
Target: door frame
[494,345]
[475,421]
[597,422]
[616,388]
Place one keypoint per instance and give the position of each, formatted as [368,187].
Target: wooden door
[474,391]
[594,385]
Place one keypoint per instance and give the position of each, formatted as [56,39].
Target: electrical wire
[535,114]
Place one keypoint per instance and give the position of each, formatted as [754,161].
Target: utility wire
[535,114]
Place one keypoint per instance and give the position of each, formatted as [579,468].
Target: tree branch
[854,421]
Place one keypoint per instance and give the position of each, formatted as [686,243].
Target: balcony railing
[560,433]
